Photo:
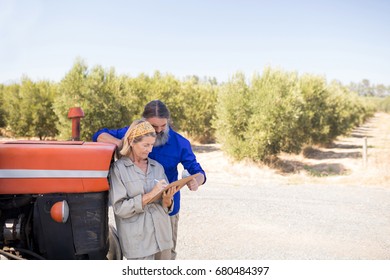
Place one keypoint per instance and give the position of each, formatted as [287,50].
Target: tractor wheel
[114,250]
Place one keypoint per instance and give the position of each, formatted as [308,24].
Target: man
[169,150]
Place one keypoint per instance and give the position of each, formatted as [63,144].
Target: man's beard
[162,137]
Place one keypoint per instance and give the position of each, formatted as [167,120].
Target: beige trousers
[175,225]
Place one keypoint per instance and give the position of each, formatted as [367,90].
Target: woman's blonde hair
[136,132]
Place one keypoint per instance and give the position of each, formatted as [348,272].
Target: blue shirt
[176,150]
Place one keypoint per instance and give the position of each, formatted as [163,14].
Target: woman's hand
[160,185]
[167,197]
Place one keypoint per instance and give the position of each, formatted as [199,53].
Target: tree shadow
[361,131]
[357,134]
[343,146]
[312,153]
[326,169]
[204,148]
[285,167]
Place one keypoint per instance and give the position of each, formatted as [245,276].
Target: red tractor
[54,200]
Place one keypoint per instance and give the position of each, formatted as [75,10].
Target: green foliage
[12,106]
[232,114]
[21,118]
[274,125]
[365,88]
[43,115]
[107,101]
[133,95]
[168,89]
[30,109]
[198,110]
[260,120]
[346,110]
[102,104]
[384,104]
[71,91]
[3,116]
[340,110]
[318,112]
[272,113]
[280,112]
[111,101]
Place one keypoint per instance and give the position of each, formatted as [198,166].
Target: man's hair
[156,108]
[136,132]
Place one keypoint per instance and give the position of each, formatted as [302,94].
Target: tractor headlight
[59,212]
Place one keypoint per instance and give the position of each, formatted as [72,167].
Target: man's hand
[193,185]
[107,138]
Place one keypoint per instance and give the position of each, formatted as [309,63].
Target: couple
[149,150]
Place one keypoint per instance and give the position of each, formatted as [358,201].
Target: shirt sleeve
[117,133]
[188,160]
[123,206]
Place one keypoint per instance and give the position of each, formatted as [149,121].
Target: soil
[325,203]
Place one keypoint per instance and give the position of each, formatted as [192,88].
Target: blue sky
[344,40]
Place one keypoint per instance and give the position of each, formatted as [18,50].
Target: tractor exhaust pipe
[75,114]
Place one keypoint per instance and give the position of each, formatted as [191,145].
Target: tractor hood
[37,167]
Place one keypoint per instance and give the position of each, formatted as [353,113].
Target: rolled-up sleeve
[188,159]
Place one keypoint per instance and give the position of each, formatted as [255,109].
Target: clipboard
[178,184]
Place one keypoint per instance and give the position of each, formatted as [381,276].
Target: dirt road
[327,205]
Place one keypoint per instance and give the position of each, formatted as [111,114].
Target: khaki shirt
[142,231]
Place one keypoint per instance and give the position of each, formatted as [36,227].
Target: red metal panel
[53,155]
[50,185]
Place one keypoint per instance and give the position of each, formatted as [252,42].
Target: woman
[144,228]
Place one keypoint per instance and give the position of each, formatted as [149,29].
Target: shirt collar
[128,162]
